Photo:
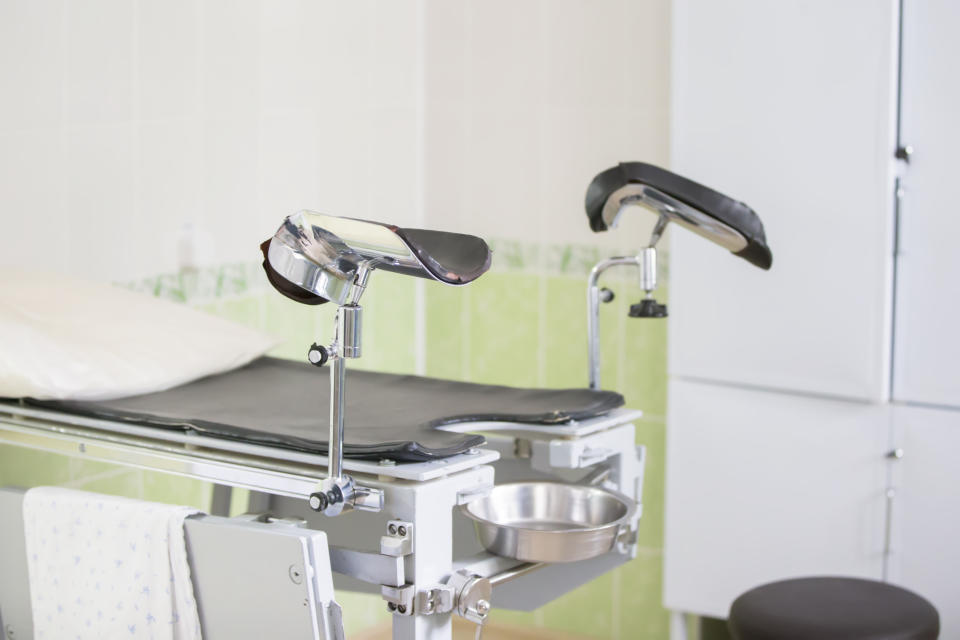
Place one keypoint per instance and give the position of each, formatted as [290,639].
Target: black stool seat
[831,609]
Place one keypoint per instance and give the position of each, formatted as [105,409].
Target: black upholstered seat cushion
[830,608]
[284,404]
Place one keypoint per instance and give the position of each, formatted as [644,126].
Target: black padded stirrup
[728,211]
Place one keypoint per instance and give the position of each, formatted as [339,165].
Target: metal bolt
[472,452]
[387,462]
[401,608]
[391,606]
[392,529]
[483,607]
[295,575]
[318,501]
[402,530]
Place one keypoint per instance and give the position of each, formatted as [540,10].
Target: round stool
[831,609]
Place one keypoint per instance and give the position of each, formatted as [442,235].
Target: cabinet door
[762,486]
[789,107]
[927,341]
[926,510]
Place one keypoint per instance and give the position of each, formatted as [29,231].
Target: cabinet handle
[895,454]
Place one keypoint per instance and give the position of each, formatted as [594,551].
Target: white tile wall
[31,63]
[168,59]
[98,206]
[124,122]
[528,101]
[99,66]
[29,200]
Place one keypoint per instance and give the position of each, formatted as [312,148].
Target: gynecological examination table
[441,497]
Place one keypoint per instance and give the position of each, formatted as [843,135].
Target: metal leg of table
[220,500]
[429,506]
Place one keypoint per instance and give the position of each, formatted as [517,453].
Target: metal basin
[549,521]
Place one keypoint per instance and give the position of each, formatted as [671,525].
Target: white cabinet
[789,107]
[927,359]
[763,486]
[926,510]
[792,108]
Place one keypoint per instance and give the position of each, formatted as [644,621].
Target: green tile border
[235,279]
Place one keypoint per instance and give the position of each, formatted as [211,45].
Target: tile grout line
[136,143]
[542,284]
[420,295]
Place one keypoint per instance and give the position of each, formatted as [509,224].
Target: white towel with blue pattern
[107,567]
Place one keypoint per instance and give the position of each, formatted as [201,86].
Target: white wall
[527,101]
[122,123]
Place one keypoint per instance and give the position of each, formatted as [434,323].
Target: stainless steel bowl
[549,521]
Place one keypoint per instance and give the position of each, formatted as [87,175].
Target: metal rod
[648,270]
[593,312]
[516,572]
[338,374]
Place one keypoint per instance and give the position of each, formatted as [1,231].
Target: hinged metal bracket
[399,539]
[465,496]
[434,599]
[399,599]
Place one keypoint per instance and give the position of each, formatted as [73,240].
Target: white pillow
[63,338]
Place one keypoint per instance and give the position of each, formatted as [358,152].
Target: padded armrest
[732,213]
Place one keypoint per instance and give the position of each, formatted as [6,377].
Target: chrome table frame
[412,572]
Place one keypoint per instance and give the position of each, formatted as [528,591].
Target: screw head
[391,606]
[401,608]
[483,607]
[296,576]
[402,530]
[392,529]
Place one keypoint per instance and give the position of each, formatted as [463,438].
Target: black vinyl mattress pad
[286,404]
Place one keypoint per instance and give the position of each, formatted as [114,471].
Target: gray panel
[250,579]
[14,577]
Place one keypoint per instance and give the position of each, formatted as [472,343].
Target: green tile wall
[523,324]
[527,326]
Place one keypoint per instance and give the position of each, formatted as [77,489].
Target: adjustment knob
[318,501]
[317,355]
[648,308]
